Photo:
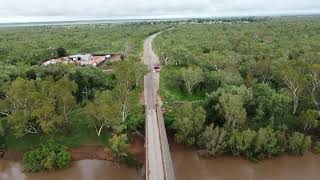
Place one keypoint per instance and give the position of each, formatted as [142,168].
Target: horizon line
[150,18]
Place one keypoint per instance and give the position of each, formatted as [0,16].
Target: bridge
[158,159]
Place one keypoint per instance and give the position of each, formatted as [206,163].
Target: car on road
[156,68]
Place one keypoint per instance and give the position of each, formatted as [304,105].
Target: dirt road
[157,149]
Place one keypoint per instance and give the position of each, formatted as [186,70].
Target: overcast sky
[55,10]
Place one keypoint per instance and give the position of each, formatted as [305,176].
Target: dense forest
[247,87]
[46,109]
[250,89]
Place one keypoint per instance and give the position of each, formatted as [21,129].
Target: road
[158,159]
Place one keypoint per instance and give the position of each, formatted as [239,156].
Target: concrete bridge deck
[158,159]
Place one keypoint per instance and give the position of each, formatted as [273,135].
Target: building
[80,59]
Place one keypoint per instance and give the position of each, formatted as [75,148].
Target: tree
[191,77]
[309,119]
[64,90]
[299,143]
[182,57]
[126,99]
[88,80]
[189,120]
[166,58]
[61,52]
[20,98]
[240,142]
[314,85]
[214,140]
[281,106]
[103,111]
[127,49]
[230,103]
[294,76]
[44,111]
[119,145]
[257,145]
[48,156]
[35,106]
[231,76]
[128,74]
[264,70]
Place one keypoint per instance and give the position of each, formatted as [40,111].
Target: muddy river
[80,170]
[188,166]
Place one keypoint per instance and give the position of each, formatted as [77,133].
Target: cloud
[106,9]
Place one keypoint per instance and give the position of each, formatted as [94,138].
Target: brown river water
[188,166]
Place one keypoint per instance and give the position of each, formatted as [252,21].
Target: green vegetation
[61,52]
[317,148]
[257,81]
[299,143]
[189,120]
[48,156]
[30,45]
[119,145]
[70,104]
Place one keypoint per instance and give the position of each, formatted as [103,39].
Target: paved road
[157,149]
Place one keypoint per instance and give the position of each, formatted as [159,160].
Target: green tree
[189,120]
[230,104]
[309,119]
[240,142]
[64,90]
[281,108]
[314,85]
[119,145]
[21,97]
[299,143]
[294,76]
[191,76]
[316,148]
[262,100]
[264,70]
[128,74]
[103,112]
[48,156]
[61,52]
[267,143]
[257,145]
[214,140]
[36,106]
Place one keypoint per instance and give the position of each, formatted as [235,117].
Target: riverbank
[96,152]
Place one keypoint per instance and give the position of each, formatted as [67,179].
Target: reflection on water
[188,166]
[80,170]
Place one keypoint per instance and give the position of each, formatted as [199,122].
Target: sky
[68,10]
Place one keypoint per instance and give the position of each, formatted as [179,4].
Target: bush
[257,145]
[48,156]
[61,52]
[267,143]
[317,148]
[189,121]
[119,145]
[213,139]
[240,142]
[205,50]
[299,143]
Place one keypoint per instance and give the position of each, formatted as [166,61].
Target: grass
[81,136]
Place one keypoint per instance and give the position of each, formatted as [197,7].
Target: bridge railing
[166,155]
